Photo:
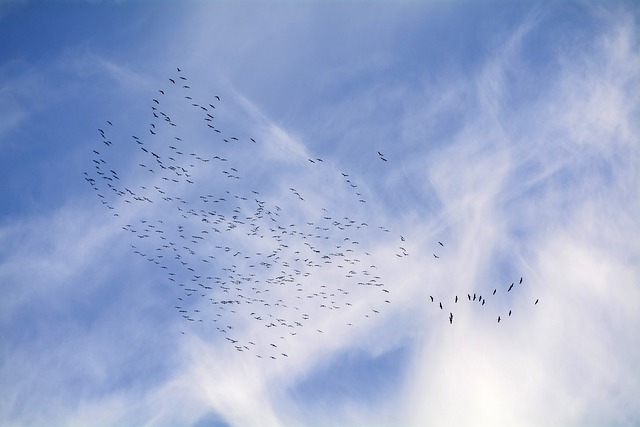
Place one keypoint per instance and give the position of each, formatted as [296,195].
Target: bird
[494,291]
[436,256]
[508,290]
[520,280]
[441,244]
[535,302]
[498,319]
[451,318]
[509,312]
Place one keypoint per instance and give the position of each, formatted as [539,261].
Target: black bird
[451,318]
[494,291]
[498,319]
[535,302]
[440,306]
[510,287]
[431,298]
[520,280]
[456,301]
[509,312]
[441,244]
[172,81]
[436,256]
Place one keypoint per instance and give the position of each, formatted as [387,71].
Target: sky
[314,213]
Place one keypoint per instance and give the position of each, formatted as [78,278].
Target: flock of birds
[239,261]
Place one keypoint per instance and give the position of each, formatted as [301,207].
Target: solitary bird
[498,319]
[535,302]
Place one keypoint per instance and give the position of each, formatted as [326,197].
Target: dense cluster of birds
[198,204]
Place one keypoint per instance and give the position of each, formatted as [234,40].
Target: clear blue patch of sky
[211,420]
[354,376]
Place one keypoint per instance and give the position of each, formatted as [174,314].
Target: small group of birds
[481,300]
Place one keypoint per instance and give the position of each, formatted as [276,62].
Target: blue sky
[508,132]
